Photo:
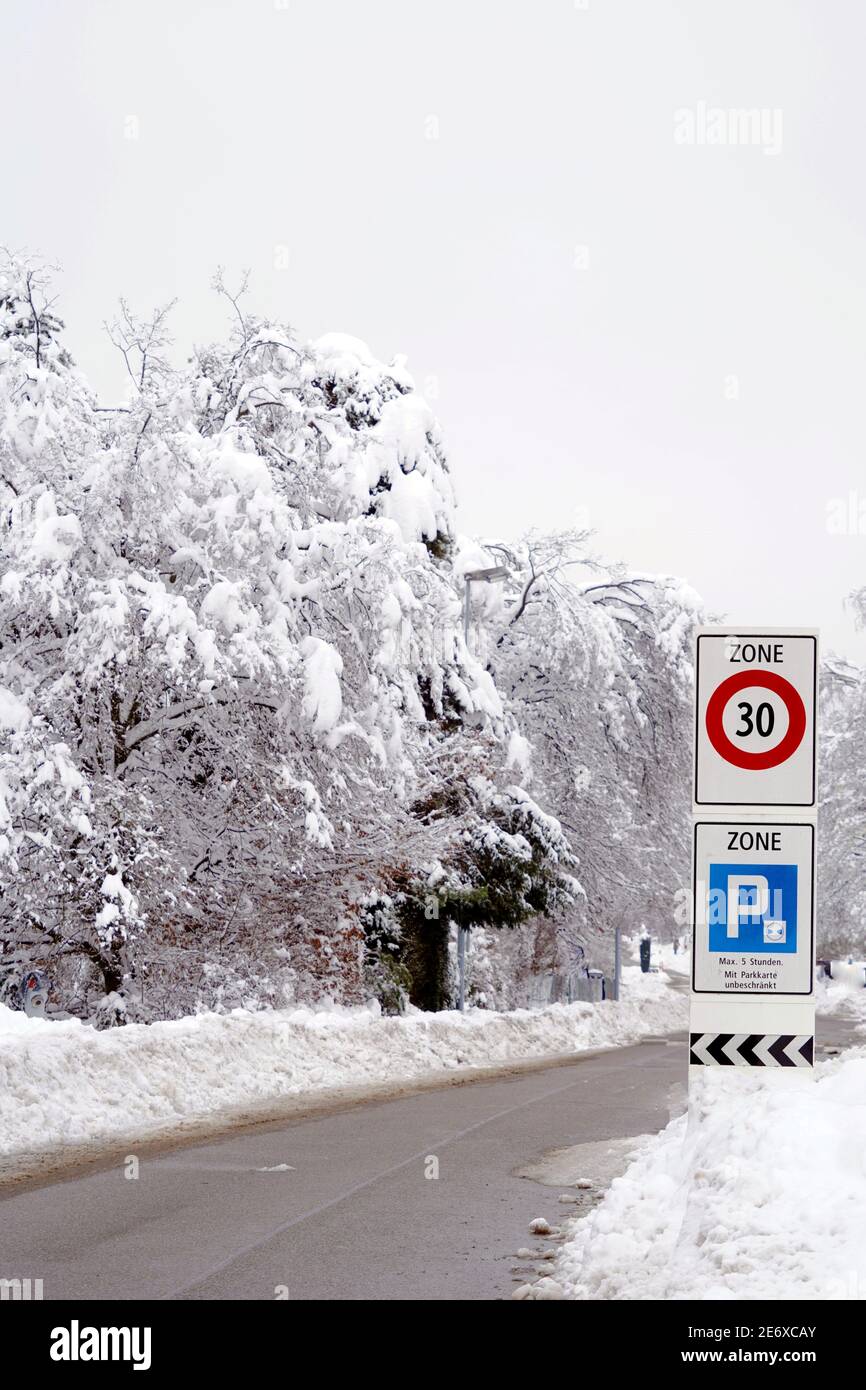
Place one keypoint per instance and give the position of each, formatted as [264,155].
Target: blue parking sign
[753,907]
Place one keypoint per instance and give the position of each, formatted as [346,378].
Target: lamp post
[491,575]
[486,576]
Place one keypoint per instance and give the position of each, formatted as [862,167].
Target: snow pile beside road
[844,993]
[66,1084]
[760,1193]
[679,964]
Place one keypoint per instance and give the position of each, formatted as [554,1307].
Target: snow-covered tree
[236,700]
[595,664]
[841,895]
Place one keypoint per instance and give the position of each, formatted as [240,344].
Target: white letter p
[759,886]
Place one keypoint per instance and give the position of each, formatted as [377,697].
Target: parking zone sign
[753,908]
[756,701]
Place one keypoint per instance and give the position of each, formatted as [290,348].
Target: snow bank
[758,1193]
[66,1084]
[849,973]
[679,964]
[842,996]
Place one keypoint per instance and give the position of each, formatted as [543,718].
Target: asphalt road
[347,1209]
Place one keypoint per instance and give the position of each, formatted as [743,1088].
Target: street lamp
[487,576]
[492,575]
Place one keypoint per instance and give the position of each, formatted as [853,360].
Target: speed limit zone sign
[755,725]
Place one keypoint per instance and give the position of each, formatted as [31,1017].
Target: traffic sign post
[753,860]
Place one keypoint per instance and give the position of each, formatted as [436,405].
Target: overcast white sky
[579,288]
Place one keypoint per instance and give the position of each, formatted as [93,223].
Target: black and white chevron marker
[750,1049]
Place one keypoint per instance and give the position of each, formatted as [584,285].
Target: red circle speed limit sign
[763,722]
[755,719]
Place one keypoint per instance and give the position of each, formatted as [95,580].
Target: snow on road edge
[64,1084]
[758,1193]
